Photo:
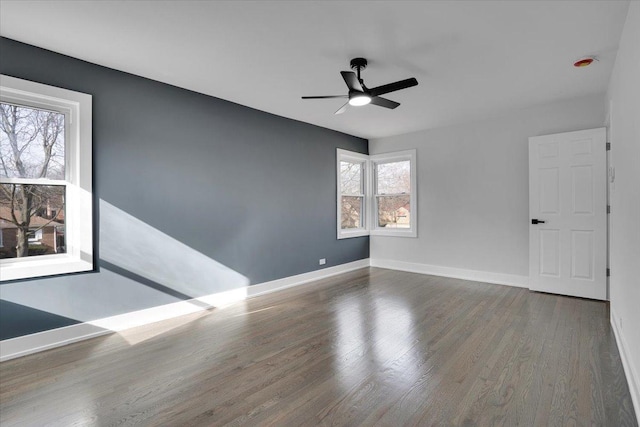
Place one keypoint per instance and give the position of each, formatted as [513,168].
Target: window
[394,183]
[45,180]
[376,194]
[352,206]
[35,237]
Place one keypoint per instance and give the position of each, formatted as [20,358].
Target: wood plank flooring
[370,347]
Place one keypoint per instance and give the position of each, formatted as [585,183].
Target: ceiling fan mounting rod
[358,64]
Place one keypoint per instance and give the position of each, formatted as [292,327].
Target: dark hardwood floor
[371,347]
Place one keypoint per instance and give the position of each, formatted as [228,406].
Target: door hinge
[608,209]
[608,146]
[608,272]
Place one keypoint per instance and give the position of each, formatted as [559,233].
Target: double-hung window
[352,201]
[45,180]
[394,196]
[377,194]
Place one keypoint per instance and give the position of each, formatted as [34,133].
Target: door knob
[537,221]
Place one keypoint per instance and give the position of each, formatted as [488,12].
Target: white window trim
[37,236]
[370,208]
[78,159]
[350,156]
[396,156]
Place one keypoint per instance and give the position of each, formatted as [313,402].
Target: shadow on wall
[142,270]
[134,246]
[17,320]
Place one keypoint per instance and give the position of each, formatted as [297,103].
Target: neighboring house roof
[36,221]
[403,210]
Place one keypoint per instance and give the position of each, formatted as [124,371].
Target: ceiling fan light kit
[360,95]
[359,99]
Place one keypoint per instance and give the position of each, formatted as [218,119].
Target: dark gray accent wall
[17,320]
[251,190]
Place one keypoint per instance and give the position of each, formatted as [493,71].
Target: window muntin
[45,179]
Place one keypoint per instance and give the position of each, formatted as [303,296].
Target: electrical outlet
[323,261]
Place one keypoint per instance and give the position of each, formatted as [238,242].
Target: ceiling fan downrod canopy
[358,64]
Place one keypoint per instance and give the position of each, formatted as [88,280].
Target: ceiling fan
[360,95]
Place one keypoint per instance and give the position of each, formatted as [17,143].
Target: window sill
[394,233]
[49,265]
[354,233]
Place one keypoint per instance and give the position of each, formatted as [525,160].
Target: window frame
[37,236]
[77,109]
[370,207]
[353,157]
[396,156]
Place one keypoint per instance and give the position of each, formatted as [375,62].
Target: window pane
[393,178]
[351,215]
[350,177]
[394,211]
[41,208]
[31,143]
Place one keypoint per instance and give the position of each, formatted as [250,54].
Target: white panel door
[568,214]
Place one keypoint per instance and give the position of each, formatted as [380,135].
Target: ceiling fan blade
[392,87]
[325,97]
[384,102]
[343,109]
[351,80]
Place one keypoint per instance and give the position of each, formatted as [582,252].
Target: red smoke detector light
[584,62]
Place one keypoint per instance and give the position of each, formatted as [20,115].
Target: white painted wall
[473,191]
[624,96]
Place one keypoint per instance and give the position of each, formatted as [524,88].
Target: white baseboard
[300,279]
[456,273]
[41,341]
[32,343]
[632,376]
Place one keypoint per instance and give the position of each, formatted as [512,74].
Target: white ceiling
[473,59]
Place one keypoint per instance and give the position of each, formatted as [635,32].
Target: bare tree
[31,147]
[390,210]
[394,186]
